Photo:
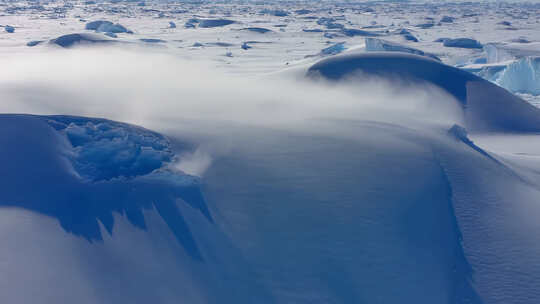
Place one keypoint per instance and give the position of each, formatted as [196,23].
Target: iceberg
[219,43]
[499,52]
[334,49]
[495,53]
[312,30]
[208,23]
[410,37]
[356,32]
[70,40]
[274,12]
[259,30]
[521,76]
[302,12]
[521,40]
[441,39]
[245,46]
[425,25]
[330,23]
[380,45]
[466,43]
[106,27]
[189,25]
[152,40]
[405,33]
[33,43]
[447,19]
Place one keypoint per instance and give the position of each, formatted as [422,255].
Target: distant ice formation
[380,45]
[498,52]
[447,19]
[425,25]
[106,27]
[152,40]
[334,49]
[274,12]
[356,32]
[521,76]
[33,43]
[259,30]
[466,43]
[207,23]
[70,40]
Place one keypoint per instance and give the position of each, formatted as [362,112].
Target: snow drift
[486,106]
[342,190]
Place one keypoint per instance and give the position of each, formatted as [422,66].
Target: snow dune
[486,107]
[363,182]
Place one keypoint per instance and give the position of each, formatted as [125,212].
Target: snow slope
[487,107]
[293,235]
[271,176]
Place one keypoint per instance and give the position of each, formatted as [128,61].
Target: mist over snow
[152,89]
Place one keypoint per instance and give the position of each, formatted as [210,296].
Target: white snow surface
[217,172]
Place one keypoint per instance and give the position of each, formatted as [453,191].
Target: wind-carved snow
[460,133]
[89,170]
[484,104]
[103,150]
